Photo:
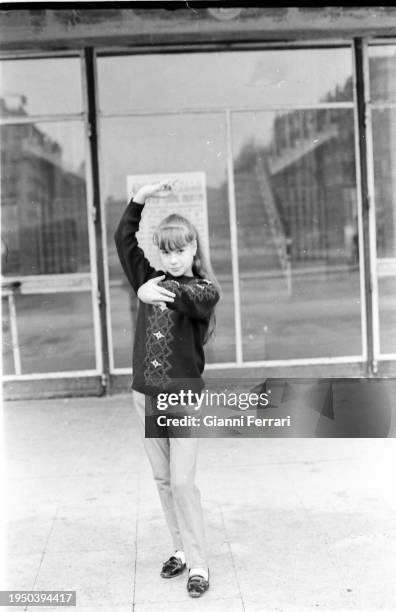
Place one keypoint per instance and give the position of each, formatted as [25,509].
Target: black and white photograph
[198,276]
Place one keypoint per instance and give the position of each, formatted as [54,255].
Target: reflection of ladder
[281,242]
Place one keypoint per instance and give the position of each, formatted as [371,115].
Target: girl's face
[179,261]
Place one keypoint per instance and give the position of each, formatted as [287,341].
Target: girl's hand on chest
[151,293]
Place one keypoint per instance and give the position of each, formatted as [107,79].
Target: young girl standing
[175,319]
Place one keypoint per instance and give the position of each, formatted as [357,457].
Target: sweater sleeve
[196,299]
[135,265]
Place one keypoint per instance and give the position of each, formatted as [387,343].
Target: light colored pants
[173,461]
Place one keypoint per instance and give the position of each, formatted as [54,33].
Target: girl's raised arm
[135,265]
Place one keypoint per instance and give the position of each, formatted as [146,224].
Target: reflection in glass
[8,352]
[40,86]
[55,333]
[247,79]
[297,233]
[384,153]
[382,67]
[43,185]
[166,144]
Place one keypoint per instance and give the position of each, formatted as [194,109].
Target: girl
[175,319]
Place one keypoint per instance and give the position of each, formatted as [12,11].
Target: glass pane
[55,333]
[248,79]
[297,233]
[40,87]
[382,65]
[384,152]
[123,305]
[387,312]
[8,358]
[171,144]
[43,186]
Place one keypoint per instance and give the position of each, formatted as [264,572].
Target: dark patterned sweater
[168,350]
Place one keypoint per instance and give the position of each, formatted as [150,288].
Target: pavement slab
[100,577]
[292,525]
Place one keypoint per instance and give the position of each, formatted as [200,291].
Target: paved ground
[292,524]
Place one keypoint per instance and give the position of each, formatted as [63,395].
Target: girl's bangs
[172,237]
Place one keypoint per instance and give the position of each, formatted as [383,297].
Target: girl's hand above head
[162,189]
[151,293]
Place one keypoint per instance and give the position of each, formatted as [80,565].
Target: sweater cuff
[132,201]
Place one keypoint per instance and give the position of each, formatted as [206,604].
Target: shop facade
[290,116]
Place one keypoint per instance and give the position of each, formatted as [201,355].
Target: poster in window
[187,199]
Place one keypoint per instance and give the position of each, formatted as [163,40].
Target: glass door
[50,320]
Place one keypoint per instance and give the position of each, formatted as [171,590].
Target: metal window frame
[91,212]
[205,47]
[367,208]
[232,212]
[216,110]
[239,362]
[274,363]
[82,119]
[358,171]
[98,213]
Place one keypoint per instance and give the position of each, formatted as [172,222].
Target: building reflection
[44,215]
[301,188]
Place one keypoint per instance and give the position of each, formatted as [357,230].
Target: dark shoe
[173,567]
[197,585]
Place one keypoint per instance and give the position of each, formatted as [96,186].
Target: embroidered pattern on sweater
[201,289]
[158,338]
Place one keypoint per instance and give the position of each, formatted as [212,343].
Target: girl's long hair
[174,232]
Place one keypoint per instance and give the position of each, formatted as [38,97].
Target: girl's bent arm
[136,267]
[196,299]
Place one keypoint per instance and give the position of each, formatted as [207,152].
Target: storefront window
[34,87]
[48,321]
[271,134]
[297,233]
[167,144]
[222,80]
[290,264]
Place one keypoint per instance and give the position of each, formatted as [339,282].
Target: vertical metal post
[234,242]
[366,259]
[90,76]
[14,333]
